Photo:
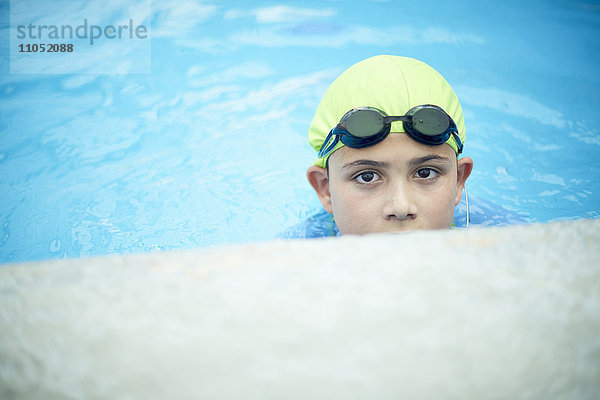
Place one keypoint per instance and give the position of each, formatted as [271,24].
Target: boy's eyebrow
[382,164]
[432,157]
[366,163]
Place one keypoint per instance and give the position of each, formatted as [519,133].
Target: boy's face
[396,185]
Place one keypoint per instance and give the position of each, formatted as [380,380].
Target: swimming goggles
[366,126]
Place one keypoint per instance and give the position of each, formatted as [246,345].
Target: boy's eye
[427,173]
[367,177]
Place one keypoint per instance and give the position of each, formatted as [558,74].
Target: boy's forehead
[397,148]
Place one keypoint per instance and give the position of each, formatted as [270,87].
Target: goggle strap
[325,148]
[459,145]
[467,199]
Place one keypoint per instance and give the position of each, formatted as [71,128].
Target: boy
[389,131]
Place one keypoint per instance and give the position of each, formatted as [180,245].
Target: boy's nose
[399,204]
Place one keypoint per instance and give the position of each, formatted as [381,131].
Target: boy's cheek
[345,210]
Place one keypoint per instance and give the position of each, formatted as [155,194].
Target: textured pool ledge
[509,312]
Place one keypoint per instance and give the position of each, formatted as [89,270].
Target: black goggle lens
[430,121]
[363,123]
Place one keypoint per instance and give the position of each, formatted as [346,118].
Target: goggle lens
[365,123]
[430,122]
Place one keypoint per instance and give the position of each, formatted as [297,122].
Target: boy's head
[398,183]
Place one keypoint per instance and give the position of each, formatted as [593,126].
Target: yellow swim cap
[391,83]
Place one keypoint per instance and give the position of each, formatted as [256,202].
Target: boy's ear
[465,166]
[319,180]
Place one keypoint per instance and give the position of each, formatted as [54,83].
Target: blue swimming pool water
[210,146]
